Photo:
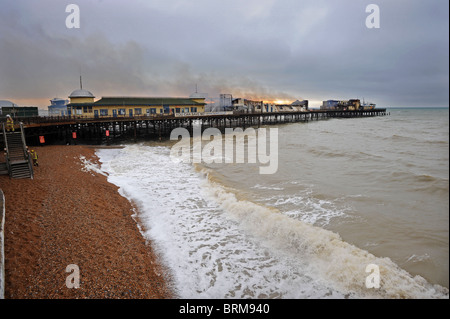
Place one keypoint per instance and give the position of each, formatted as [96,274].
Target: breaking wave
[218,245]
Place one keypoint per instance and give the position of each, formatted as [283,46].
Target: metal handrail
[25,150]
[6,147]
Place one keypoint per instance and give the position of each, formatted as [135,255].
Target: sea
[357,208]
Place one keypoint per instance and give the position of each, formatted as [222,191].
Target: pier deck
[107,129]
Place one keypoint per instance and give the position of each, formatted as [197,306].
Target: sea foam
[219,246]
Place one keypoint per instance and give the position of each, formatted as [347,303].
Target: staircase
[3,169]
[18,161]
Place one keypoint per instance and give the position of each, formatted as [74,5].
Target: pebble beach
[68,215]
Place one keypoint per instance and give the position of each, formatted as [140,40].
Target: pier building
[58,107]
[82,104]
[343,105]
[8,107]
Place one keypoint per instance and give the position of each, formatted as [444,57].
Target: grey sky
[262,49]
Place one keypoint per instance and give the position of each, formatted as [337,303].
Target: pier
[101,130]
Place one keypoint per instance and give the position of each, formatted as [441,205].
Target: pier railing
[72,119]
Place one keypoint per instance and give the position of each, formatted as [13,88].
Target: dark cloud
[263,49]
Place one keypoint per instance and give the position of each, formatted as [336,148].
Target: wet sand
[67,216]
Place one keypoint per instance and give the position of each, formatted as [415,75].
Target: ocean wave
[219,245]
[415,178]
[418,258]
[402,138]
[339,263]
[422,183]
[258,186]
[307,207]
[328,153]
